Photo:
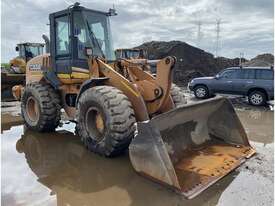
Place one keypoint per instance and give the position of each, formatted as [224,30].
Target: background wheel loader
[137,56]
[130,53]
[187,148]
[26,52]
[14,73]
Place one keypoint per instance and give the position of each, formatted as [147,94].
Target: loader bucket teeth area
[191,147]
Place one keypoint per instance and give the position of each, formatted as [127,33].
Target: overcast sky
[246,25]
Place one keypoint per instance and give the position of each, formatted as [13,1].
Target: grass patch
[5,65]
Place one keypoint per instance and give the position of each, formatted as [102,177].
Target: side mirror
[88,51]
[112,12]
[17,48]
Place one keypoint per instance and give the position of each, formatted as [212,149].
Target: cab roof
[76,7]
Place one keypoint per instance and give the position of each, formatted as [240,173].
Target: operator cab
[75,29]
[29,50]
[131,54]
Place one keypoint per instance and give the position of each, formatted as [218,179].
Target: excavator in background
[14,74]
[186,146]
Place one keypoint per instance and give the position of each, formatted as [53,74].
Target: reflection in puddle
[258,124]
[78,177]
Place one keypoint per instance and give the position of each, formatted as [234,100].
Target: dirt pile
[191,61]
[265,60]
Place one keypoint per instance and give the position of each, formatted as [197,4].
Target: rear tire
[257,98]
[177,96]
[105,120]
[201,92]
[40,107]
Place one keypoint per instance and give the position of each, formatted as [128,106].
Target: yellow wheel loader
[26,52]
[185,146]
[15,73]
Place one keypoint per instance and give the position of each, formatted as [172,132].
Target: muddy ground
[55,169]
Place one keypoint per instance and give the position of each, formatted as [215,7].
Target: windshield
[94,31]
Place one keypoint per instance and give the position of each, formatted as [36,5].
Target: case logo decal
[35,67]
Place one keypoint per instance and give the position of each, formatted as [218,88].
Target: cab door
[60,44]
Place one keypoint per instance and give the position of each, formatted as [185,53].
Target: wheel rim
[256,99]
[95,124]
[200,92]
[32,109]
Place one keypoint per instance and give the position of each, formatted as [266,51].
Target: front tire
[257,98]
[201,92]
[105,120]
[40,107]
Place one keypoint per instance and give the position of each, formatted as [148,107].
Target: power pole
[240,60]
[218,30]
[199,36]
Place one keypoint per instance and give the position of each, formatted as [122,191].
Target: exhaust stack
[47,43]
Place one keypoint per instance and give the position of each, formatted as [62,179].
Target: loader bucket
[191,147]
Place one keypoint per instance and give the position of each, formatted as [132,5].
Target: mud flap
[191,147]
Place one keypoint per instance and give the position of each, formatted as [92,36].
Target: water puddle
[258,124]
[55,169]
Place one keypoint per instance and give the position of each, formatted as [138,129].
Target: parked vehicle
[257,83]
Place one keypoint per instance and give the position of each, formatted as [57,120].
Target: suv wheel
[257,98]
[201,92]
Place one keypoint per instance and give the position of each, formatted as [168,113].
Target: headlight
[16,69]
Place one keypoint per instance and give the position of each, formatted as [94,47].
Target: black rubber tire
[204,88]
[256,92]
[118,117]
[177,96]
[48,101]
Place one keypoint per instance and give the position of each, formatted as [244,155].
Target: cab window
[90,33]
[80,32]
[22,51]
[62,35]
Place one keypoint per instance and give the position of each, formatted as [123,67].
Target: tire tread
[49,103]
[121,120]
